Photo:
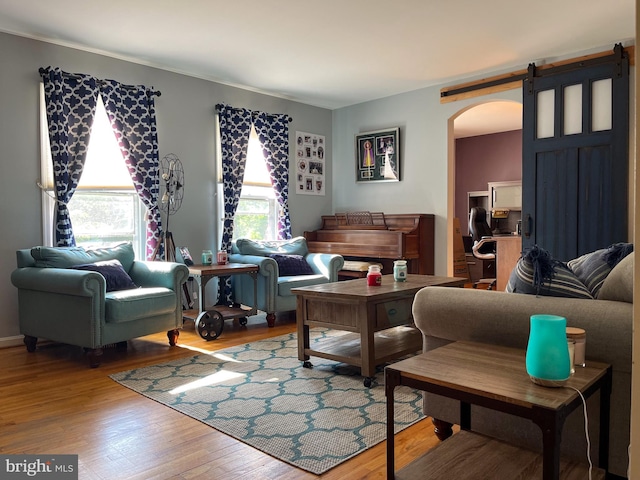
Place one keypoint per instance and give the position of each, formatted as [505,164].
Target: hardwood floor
[53,403]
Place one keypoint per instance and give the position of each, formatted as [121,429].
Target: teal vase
[547,356]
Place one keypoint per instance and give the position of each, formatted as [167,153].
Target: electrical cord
[586,422]
[586,429]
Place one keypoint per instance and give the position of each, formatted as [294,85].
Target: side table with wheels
[209,322]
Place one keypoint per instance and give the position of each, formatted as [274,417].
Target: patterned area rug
[260,394]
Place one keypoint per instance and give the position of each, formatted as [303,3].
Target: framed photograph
[378,156]
[310,158]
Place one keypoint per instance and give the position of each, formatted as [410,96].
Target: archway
[481,120]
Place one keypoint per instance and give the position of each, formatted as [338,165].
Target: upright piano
[378,237]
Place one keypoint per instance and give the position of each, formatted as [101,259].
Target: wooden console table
[494,377]
[365,311]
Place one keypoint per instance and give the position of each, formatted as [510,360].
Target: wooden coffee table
[495,377]
[378,317]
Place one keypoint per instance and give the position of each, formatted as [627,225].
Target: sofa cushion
[285,284]
[592,268]
[537,273]
[618,285]
[264,248]
[113,273]
[65,257]
[128,305]
[291,265]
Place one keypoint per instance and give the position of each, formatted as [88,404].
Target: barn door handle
[527,226]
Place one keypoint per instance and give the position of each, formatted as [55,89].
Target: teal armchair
[284,264]
[94,298]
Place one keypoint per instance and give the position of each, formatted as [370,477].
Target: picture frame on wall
[378,156]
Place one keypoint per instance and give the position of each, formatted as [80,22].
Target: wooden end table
[494,377]
[209,322]
[366,311]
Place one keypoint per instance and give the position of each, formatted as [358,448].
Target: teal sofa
[94,298]
[284,264]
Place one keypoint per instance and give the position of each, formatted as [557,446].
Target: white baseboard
[6,342]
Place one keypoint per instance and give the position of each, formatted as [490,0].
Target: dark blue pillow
[291,265]
[112,271]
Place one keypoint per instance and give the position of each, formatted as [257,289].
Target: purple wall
[482,159]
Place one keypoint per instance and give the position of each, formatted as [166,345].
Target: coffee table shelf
[389,344]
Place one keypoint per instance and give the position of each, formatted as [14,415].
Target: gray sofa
[445,315]
[94,298]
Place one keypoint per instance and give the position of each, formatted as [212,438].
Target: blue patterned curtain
[132,114]
[273,132]
[71,106]
[235,128]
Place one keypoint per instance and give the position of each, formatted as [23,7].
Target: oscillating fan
[172,190]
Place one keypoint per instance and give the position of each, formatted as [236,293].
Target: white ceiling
[329,53]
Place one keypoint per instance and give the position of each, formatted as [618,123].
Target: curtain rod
[157,93]
[255,114]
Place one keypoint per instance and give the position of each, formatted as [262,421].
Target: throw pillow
[113,273]
[291,265]
[537,273]
[593,268]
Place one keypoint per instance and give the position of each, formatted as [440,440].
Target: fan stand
[169,248]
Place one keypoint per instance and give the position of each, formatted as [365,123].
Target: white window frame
[49,199]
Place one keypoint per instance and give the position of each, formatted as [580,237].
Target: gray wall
[423,123]
[186,127]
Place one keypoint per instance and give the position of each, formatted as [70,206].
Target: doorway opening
[484,145]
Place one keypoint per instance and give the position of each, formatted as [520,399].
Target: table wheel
[209,324]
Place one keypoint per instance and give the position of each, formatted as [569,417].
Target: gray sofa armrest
[450,314]
[60,280]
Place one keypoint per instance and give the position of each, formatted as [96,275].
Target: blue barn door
[576,156]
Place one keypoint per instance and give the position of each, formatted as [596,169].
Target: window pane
[256,216]
[102,218]
[252,219]
[545,114]
[572,109]
[602,100]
